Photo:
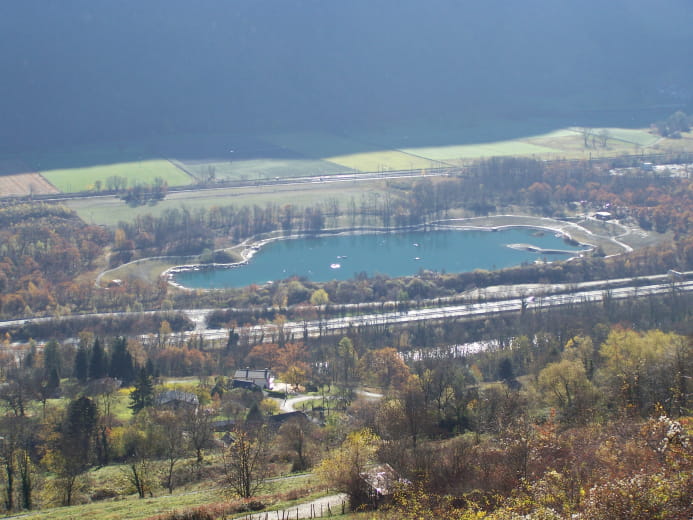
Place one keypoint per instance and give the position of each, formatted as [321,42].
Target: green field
[633,136]
[142,172]
[82,169]
[110,210]
[469,151]
[270,168]
[385,160]
[351,153]
[221,157]
[133,508]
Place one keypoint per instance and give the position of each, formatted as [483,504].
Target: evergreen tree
[143,394]
[51,357]
[97,361]
[232,341]
[53,381]
[121,366]
[75,444]
[30,358]
[81,370]
[150,369]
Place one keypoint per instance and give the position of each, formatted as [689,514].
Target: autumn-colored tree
[637,369]
[342,468]
[245,459]
[565,386]
[263,355]
[299,437]
[172,441]
[384,368]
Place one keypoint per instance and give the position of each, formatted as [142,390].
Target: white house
[262,378]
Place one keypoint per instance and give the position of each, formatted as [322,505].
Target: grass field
[501,148]
[385,160]
[133,508]
[141,172]
[351,153]
[110,210]
[182,160]
[251,169]
[80,169]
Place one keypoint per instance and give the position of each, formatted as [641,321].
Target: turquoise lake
[394,254]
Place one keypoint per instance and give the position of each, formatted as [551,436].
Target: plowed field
[24,184]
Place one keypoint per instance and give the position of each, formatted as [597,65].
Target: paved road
[530,301]
[510,299]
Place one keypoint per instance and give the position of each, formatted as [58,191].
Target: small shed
[381,481]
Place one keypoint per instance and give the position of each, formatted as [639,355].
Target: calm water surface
[395,254]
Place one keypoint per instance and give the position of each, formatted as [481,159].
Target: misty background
[83,71]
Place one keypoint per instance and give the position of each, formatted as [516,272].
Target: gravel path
[289,404]
[321,508]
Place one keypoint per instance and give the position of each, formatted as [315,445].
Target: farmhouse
[262,378]
[176,400]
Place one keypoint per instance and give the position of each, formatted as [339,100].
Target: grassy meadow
[183,160]
[82,169]
[71,180]
[111,210]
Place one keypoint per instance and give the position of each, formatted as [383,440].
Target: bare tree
[245,460]
[586,134]
[172,442]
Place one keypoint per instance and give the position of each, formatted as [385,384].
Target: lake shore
[569,231]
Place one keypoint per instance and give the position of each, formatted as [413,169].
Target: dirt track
[321,508]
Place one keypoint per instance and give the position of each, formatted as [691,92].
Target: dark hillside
[78,71]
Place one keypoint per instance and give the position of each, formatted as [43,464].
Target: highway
[533,300]
[490,301]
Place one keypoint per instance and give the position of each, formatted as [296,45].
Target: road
[532,300]
[495,301]
[288,405]
[245,188]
